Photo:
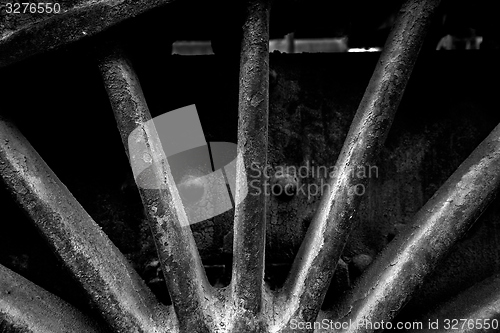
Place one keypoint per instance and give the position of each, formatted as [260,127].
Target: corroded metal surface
[25,307]
[40,33]
[392,279]
[328,233]
[246,305]
[250,212]
[475,310]
[105,274]
[192,296]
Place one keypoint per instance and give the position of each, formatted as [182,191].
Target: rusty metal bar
[250,225]
[82,20]
[324,242]
[191,294]
[25,307]
[394,276]
[475,310]
[105,274]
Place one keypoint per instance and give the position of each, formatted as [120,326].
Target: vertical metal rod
[249,225]
[290,42]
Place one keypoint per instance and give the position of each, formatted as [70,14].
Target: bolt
[192,189]
[284,186]
[362,261]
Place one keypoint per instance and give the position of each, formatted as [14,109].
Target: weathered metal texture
[311,273]
[250,213]
[475,310]
[83,19]
[98,266]
[192,296]
[394,276]
[25,307]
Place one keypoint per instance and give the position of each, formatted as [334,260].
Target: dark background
[59,103]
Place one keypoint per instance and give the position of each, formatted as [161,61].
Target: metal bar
[250,212]
[80,21]
[104,273]
[25,307]
[186,279]
[402,267]
[324,242]
[290,42]
[475,310]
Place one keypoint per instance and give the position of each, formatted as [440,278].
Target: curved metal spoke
[320,251]
[192,296]
[475,310]
[391,280]
[105,274]
[25,307]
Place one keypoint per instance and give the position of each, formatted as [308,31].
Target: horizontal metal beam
[72,24]
[25,307]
